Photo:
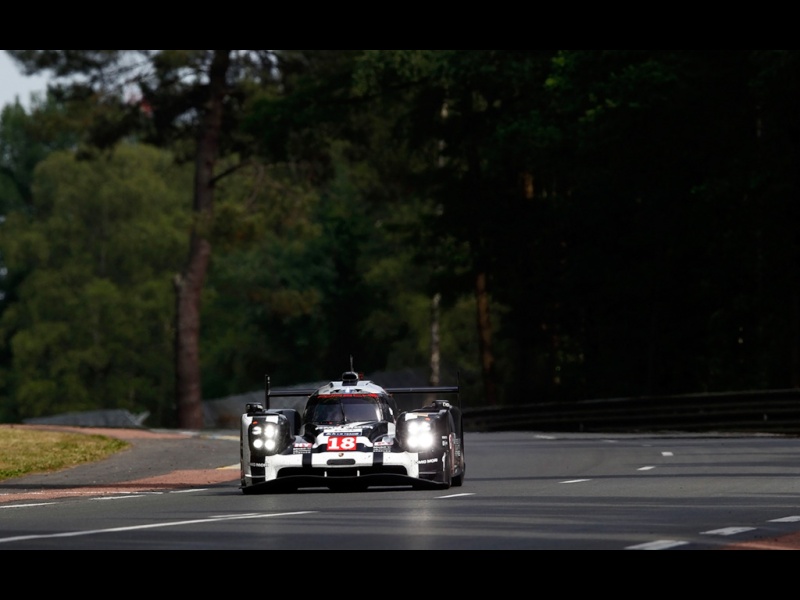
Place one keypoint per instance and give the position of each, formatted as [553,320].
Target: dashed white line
[126,496]
[727,531]
[658,545]
[576,480]
[645,468]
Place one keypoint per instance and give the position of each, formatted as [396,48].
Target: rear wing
[279,393]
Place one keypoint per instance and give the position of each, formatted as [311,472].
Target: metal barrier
[775,411]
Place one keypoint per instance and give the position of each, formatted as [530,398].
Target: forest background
[541,225]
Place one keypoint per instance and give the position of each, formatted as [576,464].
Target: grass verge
[28,451]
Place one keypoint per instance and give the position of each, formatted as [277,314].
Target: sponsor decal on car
[301,448]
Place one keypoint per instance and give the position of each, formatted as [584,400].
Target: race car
[351,436]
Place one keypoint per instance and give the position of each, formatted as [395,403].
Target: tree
[188,100]
[466,111]
[93,326]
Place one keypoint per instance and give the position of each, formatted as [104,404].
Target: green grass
[26,451]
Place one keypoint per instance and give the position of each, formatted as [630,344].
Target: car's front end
[336,456]
[349,435]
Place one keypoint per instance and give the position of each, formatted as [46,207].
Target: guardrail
[776,411]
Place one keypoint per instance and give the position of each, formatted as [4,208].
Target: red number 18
[341,443]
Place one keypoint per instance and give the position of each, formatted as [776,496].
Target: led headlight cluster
[418,435]
[269,435]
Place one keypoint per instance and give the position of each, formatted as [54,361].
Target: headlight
[419,435]
[270,436]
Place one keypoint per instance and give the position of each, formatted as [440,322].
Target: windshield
[344,409]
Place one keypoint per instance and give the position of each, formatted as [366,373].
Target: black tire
[458,480]
[241,461]
[249,491]
[447,471]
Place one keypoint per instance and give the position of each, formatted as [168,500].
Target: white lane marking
[576,480]
[645,468]
[544,437]
[152,526]
[792,519]
[667,454]
[658,545]
[143,494]
[457,495]
[727,531]
[123,497]
[24,505]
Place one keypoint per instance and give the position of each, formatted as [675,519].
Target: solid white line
[658,545]
[24,505]
[152,526]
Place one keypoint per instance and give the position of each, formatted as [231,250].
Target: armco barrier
[775,411]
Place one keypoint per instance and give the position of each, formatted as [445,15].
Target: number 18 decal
[338,444]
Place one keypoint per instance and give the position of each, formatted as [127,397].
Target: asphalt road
[526,490]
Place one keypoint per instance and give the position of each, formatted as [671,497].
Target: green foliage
[93,327]
[634,211]
[261,303]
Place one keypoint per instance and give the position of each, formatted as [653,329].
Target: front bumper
[340,470]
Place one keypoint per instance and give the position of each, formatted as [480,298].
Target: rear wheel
[458,480]
[447,470]
[460,462]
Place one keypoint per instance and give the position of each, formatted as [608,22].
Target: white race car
[350,435]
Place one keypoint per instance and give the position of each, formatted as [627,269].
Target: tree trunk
[435,343]
[485,338]
[189,284]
